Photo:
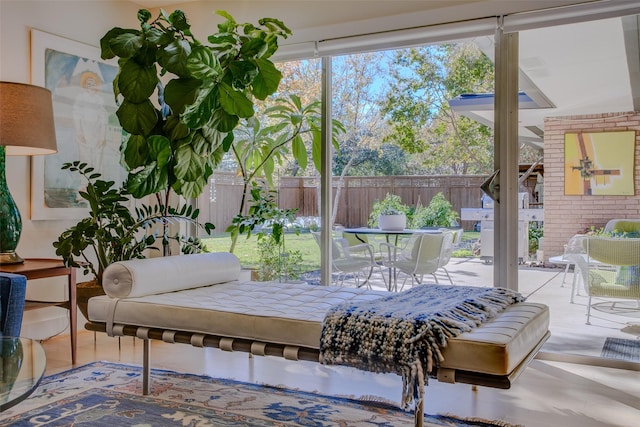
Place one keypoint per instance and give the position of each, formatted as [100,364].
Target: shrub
[439,213]
[275,262]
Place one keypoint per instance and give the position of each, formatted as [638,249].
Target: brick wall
[564,215]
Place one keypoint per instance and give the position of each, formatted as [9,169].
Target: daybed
[198,300]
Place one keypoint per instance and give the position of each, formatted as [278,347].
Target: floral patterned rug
[105,394]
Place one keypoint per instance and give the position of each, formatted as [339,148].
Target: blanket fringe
[404,332]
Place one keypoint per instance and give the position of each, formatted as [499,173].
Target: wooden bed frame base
[292,353]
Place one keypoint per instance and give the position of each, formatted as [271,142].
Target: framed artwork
[599,163]
[87,128]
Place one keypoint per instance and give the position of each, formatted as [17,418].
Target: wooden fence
[221,202]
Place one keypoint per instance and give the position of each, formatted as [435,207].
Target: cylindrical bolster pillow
[139,277]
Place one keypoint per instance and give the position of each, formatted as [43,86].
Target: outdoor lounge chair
[616,272]
[448,242]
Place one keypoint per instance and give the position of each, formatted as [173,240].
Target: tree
[388,160]
[418,114]
[261,144]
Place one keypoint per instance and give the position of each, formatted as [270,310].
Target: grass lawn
[248,255]
[305,243]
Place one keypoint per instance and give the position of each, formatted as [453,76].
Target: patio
[570,336]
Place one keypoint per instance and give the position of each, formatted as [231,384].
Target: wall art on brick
[599,163]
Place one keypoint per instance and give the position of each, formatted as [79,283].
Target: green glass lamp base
[10,220]
[10,258]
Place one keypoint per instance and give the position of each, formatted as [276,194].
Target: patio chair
[356,259]
[420,256]
[448,243]
[611,269]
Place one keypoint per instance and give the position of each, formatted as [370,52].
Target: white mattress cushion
[139,277]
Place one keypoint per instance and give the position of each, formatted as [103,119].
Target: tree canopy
[416,108]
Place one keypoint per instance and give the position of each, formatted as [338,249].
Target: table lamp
[26,129]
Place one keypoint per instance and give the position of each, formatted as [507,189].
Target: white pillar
[505,270]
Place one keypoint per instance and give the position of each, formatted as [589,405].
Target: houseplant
[112,232]
[389,213]
[391,219]
[180,99]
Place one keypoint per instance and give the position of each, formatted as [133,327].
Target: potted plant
[389,214]
[391,219]
[112,232]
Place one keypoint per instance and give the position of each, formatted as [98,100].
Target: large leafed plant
[181,99]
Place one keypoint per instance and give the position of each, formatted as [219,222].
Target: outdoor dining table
[361,231]
[387,233]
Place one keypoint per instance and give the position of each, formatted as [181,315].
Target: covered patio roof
[576,69]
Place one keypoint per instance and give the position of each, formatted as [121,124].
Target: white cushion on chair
[139,277]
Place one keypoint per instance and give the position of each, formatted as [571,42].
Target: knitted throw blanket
[402,333]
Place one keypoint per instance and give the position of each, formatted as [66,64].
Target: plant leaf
[179,93]
[135,151]
[174,129]
[159,149]
[253,47]
[189,165]
[299,151]
[106,52]
[235,103]
[136,83]
[202,63]
[127,44]
[148,180]
[267,81]
[174,57]
[138,119]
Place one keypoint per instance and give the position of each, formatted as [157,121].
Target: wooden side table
[42,268]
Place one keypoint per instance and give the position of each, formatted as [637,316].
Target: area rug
[620,348]
[105,394]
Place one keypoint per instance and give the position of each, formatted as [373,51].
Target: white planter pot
[392,222]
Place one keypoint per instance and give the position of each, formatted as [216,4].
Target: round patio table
[387,233]
[22,365]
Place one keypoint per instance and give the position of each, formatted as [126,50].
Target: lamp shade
[26,120]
